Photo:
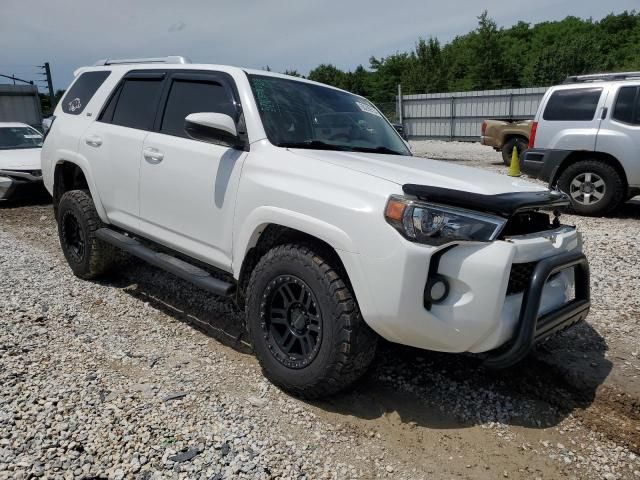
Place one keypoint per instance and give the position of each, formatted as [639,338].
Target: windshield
[303,115]
[19,137]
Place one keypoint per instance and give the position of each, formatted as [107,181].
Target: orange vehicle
[503,135]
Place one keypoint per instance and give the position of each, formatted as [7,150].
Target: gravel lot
[143,376]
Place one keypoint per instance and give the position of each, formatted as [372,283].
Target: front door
[188,187]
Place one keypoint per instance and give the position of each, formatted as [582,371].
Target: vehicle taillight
[532,135]
[484,127]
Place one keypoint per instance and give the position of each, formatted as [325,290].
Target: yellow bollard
[514,168]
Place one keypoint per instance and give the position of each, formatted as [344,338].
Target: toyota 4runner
[304,204]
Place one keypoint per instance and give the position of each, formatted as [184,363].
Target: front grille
[519,277]
[524,223]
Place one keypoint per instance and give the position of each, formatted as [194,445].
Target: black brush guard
[532,328]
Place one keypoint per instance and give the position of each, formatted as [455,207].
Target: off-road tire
[347,345]
[613,195]
[97,257]
[507,149]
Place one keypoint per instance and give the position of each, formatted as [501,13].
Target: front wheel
[305,325]
[594,187]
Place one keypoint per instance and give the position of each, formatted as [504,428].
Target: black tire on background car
[305,324]
[507,149]
[594,187]
[78,220]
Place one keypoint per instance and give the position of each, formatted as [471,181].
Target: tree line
[489,57]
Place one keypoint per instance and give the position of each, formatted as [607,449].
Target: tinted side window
[625,103]
[82,91]
[137,103]
[573,105]
[107,112]
[189,96]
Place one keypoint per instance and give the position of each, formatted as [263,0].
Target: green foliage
[490,57]
[45,103]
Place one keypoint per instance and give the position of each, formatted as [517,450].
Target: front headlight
[437,225]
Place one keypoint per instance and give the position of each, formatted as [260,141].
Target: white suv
[304,204]
[586,140]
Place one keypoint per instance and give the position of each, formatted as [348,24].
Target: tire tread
[101,255]
[355,342]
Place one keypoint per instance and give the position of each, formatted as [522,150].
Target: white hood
[20,159]
[423,171]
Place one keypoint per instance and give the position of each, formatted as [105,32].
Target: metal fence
[459,115]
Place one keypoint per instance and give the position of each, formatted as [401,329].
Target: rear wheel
[507,150]
[78,221]
[305,325]
[594,187]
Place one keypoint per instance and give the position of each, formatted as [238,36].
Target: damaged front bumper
[496,298]
[18,181]
[533,326]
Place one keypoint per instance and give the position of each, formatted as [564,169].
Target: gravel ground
[143,376]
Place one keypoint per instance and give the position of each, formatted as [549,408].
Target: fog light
[436,290]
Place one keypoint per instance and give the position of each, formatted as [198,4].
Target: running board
[196,275]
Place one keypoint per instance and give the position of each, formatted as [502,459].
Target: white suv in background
[302,203]
[585,140]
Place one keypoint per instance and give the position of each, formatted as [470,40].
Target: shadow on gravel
[630,209]
[413,387]
[218,318]
[36,196]
[444,391]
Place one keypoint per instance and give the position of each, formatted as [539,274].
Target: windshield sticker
[75,104]
[32,136]
[264,102]
[368,109]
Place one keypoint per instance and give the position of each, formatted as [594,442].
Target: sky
[293,34]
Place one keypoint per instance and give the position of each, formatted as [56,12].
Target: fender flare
[509,134]
[68,156]
[249,232]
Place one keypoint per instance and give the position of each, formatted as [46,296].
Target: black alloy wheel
[292,321]
[74,236]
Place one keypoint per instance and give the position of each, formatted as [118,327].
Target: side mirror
[213,128]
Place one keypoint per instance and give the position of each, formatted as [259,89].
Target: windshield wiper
[314,144]
[380,149]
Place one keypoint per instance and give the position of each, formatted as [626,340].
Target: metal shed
[20,103]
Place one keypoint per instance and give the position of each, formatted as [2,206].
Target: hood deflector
[504,204]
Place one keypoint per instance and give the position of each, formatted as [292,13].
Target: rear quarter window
[82,91]
[572,105]
[626,108]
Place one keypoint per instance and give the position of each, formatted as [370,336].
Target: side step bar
[199,277]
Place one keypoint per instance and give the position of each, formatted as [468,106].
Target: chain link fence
[389,110]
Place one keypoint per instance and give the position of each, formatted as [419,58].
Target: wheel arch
[269,235]
[578,156]
[73,174]
[508,136]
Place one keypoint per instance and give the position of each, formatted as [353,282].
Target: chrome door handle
[152,155]
[93,141]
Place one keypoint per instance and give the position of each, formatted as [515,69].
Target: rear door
[619,133]
[114,143]
[570,118]
[188,187]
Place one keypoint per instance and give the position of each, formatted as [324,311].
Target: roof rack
[121,61]
[597,77]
